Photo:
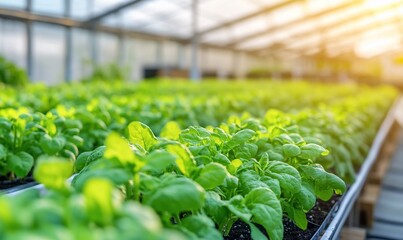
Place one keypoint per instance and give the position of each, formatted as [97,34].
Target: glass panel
[80,9]
[48,53]
[99,6]
[245,28]
[81,48]
[260,42]
[349,12]
[374,46]
[313,40]
[13,3]
[287,14]
[159,16]
[170,54]
[226,10]
[52,7]
[108,48]
[13,41]
[315,6]
[218,37]
[267,3]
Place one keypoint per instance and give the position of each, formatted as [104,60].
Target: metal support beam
[294,23]
[29,45]
[95,19]
[68,61]
[249,16]
[24,16]
[194,69]
[324,29]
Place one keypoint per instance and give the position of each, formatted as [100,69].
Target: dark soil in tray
[6,184]
[241,230]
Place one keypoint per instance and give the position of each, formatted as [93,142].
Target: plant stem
[177,219]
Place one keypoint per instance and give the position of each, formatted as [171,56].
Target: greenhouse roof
[368,27]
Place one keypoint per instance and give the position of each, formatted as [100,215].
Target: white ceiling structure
[366,28]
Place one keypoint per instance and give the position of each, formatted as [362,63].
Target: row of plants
[195,180]
[96,109]
[195,183]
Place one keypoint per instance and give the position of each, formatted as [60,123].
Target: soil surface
[241,230]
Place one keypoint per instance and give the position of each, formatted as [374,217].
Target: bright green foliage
[24,137]
[11,74]
[253,152]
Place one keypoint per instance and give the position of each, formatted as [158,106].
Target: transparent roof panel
[49,7]
[80,9]
[257,43]
[249,27]
[169,18]
[226,10]
[287,14]
[297,24]
[13,3]
[345,14]
[218,37]
[99,6]
[310,41]
[315,6]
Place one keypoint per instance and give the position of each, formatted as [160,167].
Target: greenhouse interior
[201,119]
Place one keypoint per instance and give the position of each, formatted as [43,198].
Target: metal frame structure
[95,24]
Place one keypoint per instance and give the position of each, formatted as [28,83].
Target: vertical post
[122,41]
[195,71]
[68,61]
[29,46]
[93,38]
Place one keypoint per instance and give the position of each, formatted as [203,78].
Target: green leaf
[222,159]
[171,130]
[211,176]
[215,207]
[202,226]
[115,175]
[98,201]
[176,195]
[255,233]
[50,145]
[141,134]
[291,150]
[324,183]
[234,165]
[246,151]
[184,159]
[159,160]
[275,156]
[312,151]
[20,163]
[237,206]
[306,197]
[53,172]
[86,158]
[288,176]
[195,136]
[273,184]
[249,180]
[239,138]
[266,210]
[119,149]
[3,152]
[296,215]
